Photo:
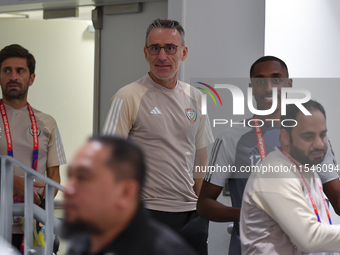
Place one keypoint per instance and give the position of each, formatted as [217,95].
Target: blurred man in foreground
[103,209]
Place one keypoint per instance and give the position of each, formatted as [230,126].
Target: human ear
[284,138]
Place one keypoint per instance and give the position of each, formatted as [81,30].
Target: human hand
[19,189]
[19,186]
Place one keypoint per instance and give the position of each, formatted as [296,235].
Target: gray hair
[166,23]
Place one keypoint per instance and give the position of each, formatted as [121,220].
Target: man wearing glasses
[162,114]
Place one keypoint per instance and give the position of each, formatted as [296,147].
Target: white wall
[306,35]
[224,37]
[63,88]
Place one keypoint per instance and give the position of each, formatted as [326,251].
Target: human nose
[319,142]
[13,76]
[269,85]
[69,188]
[162,54]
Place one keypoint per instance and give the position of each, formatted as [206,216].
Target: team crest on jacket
[31,131]
[191,114]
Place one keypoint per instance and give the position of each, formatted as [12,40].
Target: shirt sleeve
[204,136]
[221,159]
[328,170]
[55,151]
[286,205]
[122,113]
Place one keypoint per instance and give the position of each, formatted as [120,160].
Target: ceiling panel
[30,5]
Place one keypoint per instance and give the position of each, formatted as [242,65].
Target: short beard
[77,235]
[299,155]
[68,230]
[14,94]
[166,78]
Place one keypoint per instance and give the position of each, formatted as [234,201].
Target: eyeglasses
[170,49]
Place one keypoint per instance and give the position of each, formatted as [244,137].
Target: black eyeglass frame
[160,48]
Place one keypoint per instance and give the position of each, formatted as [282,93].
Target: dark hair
[292,111]
[126,158]
[268,58]
[166,23]
[17,51]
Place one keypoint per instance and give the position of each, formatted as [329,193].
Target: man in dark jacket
[103,211]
